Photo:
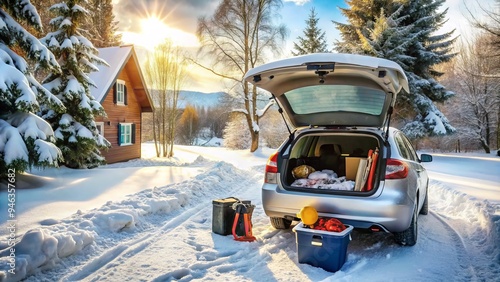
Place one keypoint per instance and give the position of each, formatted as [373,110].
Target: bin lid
[229,200]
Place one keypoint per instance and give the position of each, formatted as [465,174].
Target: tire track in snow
[235,261]
[130,248]
[464,258]
[206,254]
[475,223]
[240,261]
[119,254]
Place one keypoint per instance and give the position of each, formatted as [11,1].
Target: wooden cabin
[122,91]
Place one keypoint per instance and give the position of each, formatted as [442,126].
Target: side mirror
[425,158]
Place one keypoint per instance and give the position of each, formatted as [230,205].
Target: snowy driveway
[476,176]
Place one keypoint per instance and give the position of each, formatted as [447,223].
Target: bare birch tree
[477,101]
[165,72]
[490,24]
[237,38]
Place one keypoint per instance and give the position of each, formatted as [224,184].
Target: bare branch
[213,71]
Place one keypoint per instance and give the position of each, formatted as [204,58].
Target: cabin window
[126,134]
[100,127]
[120,92]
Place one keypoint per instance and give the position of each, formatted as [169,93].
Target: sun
[154,31]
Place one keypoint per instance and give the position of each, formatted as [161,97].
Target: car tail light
[271,169]
[396,169]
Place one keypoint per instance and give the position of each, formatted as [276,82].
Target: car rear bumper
[390,207]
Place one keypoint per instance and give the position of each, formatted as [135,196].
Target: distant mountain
[200,99]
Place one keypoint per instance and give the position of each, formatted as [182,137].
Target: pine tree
[314,41]
[42,7]
[25,138]
[430,49]
[386,38]
[101,24]
[75,130]
[360,15]
[409,40]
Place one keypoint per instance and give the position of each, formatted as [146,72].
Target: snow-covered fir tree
[314,38]
[25,138]
[386,38]
[405,31]
[75,129]
[360,15]
[430,49]
[101,24]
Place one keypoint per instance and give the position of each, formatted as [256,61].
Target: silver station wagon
[342,157]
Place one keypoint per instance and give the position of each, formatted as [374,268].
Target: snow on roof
[116,57]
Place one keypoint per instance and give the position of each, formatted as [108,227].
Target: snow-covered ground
[151,220]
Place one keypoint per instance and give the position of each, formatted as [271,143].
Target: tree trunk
[171,139]
[485,146]
[171,151]
[255,141]
[498,125]
[498,134]
[155,125]
[165,137]
[488,130]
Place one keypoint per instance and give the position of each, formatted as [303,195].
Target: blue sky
[295,17]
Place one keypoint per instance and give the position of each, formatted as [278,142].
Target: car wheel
[409,236]
[425,206]
[280,223]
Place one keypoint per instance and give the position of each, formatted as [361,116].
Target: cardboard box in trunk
[351,167]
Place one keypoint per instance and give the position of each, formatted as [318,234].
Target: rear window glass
[335,98]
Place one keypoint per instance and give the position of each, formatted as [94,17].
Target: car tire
[280,223]
[425,206]
[409,236]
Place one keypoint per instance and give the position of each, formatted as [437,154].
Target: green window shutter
[114,93]
[133,133]
[125,94]
[119,134]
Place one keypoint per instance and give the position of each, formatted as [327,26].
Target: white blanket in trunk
[325,179]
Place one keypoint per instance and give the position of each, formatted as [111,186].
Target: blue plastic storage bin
[324,249]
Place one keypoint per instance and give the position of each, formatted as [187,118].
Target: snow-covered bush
[236,135]
[273,129]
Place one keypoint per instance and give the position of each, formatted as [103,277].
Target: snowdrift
[477,222]
[43,248]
